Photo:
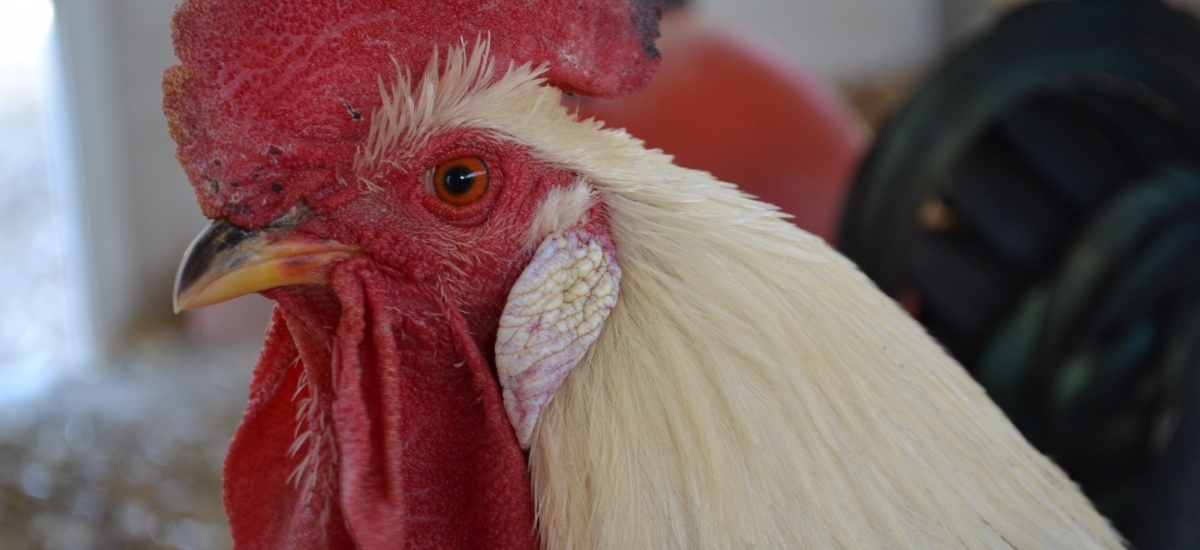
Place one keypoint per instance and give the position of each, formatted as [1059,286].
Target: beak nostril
[298,214]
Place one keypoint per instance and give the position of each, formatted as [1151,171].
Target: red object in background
[726,104]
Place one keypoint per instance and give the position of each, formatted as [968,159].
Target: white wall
[855,40]
[845,40]
[137,211]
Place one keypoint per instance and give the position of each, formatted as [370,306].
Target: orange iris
[460,181]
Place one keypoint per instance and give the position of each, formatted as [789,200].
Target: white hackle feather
[562,209]
[751,389]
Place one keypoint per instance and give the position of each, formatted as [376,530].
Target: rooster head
[363,167]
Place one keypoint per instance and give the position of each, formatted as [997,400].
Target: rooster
[500,326]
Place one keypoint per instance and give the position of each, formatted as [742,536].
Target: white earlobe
[554,312]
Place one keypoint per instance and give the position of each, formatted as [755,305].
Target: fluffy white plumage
[751,389]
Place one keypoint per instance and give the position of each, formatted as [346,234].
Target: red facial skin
[412,442]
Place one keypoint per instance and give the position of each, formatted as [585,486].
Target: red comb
[272,97]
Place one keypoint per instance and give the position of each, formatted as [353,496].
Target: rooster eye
[460,181]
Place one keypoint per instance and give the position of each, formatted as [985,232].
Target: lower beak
[226,261]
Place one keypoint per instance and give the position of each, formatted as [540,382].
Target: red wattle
[403,441]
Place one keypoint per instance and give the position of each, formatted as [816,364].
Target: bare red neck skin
[375,421]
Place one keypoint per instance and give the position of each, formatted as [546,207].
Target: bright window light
[39,311]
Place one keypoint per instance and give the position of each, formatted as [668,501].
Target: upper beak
[226,261]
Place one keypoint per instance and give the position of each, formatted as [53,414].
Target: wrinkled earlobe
[554,313]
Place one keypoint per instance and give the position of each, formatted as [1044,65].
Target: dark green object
[1038,200]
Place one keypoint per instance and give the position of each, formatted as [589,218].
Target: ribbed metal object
[1037,205]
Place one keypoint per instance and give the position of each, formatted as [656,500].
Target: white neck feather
[751,388]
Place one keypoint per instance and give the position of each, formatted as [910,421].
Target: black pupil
[458,179]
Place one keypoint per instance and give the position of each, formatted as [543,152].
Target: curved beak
[226,261]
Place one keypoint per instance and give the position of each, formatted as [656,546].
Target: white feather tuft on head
[562,209]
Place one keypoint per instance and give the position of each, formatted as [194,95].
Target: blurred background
[114,412]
